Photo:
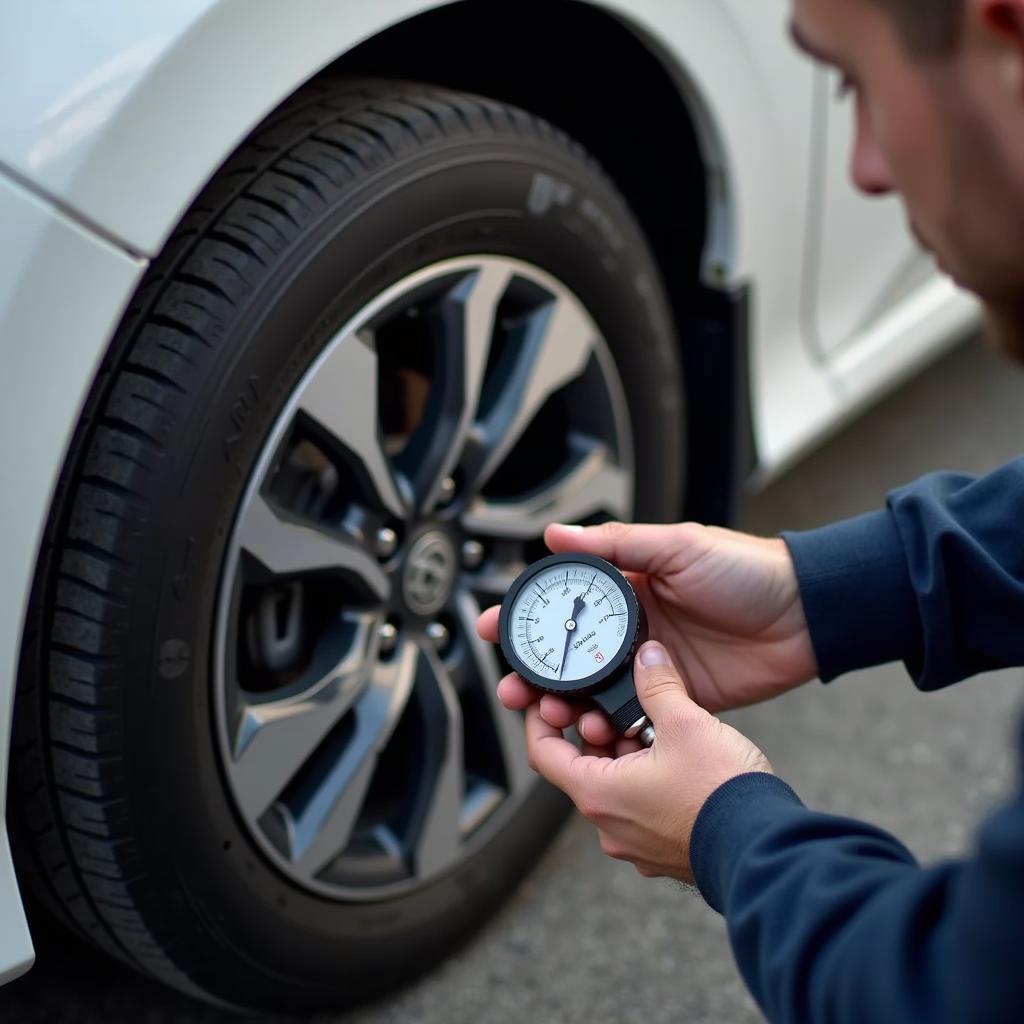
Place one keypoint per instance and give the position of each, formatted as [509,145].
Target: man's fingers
[660,687]
[558,712]
[487,625]
[515,693]
[639,548]
[550,754]
[595,728]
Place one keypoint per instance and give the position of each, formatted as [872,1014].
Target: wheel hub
[429,572]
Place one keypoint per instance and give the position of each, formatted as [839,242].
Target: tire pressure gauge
[570,624]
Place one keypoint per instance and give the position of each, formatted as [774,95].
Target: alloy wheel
[404,485]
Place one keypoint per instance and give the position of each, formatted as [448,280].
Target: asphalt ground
[585,939]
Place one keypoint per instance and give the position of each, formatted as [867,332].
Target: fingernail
[566,526]
[653,654]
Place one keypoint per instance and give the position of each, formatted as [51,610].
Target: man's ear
[999,24]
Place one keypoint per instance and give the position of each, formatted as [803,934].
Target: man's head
[939,94]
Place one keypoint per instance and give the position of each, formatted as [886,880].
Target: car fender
[123,121]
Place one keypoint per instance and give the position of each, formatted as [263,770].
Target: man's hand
[725,605]
[645,802]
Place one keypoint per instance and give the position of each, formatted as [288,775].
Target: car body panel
[17,954]
[145,110]
[145,114]
[119,118]
[764,159]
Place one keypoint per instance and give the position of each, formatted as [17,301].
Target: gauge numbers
[568,621]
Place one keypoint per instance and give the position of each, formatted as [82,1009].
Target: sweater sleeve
[830,919]
[935,579]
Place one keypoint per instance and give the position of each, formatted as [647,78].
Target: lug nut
[388,633]
[438,635]
[387,542]
[446,491]
[472,554]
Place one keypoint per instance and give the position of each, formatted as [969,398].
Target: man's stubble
[987,221]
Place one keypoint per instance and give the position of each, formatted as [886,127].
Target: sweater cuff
[857,595]
[734,814]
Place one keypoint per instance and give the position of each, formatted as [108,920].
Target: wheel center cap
[429,573]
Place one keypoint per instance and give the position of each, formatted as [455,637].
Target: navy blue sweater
[831,919]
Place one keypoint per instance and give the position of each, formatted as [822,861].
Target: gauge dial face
[569,621]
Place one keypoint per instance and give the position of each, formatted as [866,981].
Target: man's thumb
[659,686]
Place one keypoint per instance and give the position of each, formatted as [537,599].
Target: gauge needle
[577,607]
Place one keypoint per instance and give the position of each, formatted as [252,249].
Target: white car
[314,314]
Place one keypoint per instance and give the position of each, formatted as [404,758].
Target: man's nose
[868,167]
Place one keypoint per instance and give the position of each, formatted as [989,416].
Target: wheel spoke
[275,738]
[438,836]
[322,829]
[508,726]
[341,397]
[556,347]
[288,546]
[465,318]
[592,485]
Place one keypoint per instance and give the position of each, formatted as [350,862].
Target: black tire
[126,828]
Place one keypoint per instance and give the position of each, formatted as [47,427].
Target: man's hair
[929,28]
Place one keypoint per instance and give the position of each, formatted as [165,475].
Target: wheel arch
[637,92]
[649,124]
